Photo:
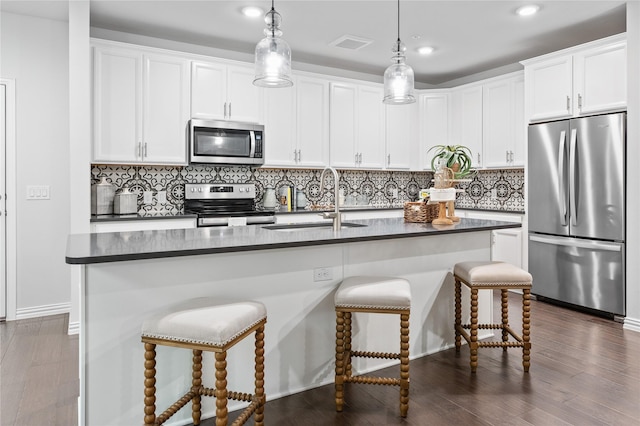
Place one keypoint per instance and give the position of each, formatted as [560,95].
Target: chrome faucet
[335,215]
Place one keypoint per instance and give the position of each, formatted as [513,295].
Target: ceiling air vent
[351,42]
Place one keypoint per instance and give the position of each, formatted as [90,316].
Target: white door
[497,123]
[280,127]
[371,127]
[166,109]
[208,91]
[342,125]
[549,88]
[3,195]
[434,125]
[312,127]
[243,97]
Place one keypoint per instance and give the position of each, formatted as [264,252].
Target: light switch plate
[38,192]
[162,197]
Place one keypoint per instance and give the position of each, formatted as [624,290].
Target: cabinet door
[434,124]
[498,123]
[165,109]
[342,125]
[312,127]
[520,127]
[507,246]
[280,126]
[601,78]
[370,133]
[244,99]
[466,126]
[117,133]
[208,90]
[549,88]
[401,135]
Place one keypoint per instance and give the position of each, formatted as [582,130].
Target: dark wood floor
[584,371]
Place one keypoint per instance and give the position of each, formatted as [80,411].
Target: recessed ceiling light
[425,50]
[528,10]
[252,11]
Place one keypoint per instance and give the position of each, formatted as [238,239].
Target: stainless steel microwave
[226,142]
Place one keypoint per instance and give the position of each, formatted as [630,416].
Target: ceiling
[470,37]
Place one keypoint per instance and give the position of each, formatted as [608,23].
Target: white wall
[632,321]
[35,54]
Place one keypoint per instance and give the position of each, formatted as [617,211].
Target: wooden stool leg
[473,345]
[404,364]
[505,316]
[149,384]
[259,392]
[221,389]
[339,380]
[196,383]
[458,313]
[526,349]
[347,344]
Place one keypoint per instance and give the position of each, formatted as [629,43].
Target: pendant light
[273,55]
[398,78]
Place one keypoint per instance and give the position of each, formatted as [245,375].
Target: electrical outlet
[322,274]
[162,197]
[148,197]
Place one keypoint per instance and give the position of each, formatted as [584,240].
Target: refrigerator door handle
[563,199]
[572,242]
[572,178]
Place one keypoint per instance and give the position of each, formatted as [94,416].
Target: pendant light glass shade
[273,55]
[398,78]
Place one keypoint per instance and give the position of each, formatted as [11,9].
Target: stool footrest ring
[369,380]
[366,354]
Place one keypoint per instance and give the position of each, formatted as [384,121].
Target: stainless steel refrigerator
[576,205]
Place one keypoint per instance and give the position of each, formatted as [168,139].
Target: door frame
[11,202]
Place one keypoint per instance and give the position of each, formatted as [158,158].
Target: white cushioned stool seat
[204,322]
[374,292]
[493,273]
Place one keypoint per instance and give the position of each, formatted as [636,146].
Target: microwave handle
[252,135]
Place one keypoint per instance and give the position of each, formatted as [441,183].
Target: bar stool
[492,275]
[206,326]
[377,295]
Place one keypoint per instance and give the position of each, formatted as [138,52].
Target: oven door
[222,142]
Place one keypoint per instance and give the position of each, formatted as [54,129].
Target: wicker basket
[420,212]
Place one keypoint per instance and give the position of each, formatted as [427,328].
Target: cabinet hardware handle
[511,156]
[299,155]
[145,150]
[568,104]
[225,110]
[229,109]
[360,158]
[356,158]
[579,102]
[139,149]
[507,156]
[388,159]
[295,155]
[478,158]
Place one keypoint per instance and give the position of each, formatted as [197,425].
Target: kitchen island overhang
[152,270]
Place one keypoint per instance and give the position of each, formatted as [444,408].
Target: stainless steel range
[225,204]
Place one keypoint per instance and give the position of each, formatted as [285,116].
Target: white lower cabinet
[506,244]
[142,225]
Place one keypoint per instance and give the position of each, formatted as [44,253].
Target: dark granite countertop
[122,246]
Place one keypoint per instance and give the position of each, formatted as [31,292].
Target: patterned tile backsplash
[379,187]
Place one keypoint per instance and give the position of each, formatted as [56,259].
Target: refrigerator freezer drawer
[582,272]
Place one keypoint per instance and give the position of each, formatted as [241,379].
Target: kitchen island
[129,275]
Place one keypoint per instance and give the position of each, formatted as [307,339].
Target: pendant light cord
[398,42]
[273,12]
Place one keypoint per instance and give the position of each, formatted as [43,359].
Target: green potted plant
[456,157]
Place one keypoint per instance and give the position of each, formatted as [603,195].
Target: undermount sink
[309,226]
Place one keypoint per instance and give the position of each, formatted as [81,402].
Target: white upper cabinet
[466,126]
[434,124]
[356,126]
[582,80]
[141,106]
[312,121]
[503,122]
[220,91]
[297,124]
[401,136]
[280,126]
[600,80]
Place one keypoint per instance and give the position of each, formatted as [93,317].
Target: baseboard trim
[43,311]
[74,328]
[632,324]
